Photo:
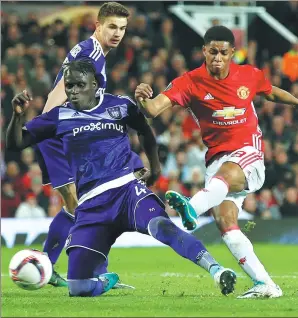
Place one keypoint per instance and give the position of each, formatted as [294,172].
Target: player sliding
[219,95]
[111,200]
[110,29]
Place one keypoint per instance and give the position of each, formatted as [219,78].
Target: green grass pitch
[166,286]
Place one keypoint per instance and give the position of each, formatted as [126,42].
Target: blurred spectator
[178,66]
[165,38]
[293,151]
[10,200]
[249,209]
[268,206]
[194,181]
[60,33]
[14,177]
[280,133]
[30,208]
[73,35]
[39,192]
[27,159]
[177,164]
[33,34]
[87,25]
[290,63]
[289,207]
[279,171]
[268,152]
[33,171]
[197,58]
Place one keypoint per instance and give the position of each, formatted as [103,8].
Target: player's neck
[91,105]
[104,49]
[219,76]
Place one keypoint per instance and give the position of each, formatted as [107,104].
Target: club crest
[243,92]
[115,112]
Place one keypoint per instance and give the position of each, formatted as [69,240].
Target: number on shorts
[139,191]
[239,154]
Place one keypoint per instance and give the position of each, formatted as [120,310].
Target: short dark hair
[84,66]
[219,33]
[109,9]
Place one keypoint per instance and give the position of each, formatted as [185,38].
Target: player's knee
[81,288]
[233,175]
[160,224]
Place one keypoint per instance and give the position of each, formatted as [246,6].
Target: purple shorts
[102,219]
[53,163]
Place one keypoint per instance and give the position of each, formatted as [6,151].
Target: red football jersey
[223,109]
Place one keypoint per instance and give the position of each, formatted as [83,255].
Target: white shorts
[251,162]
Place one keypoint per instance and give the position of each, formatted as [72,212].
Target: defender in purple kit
[111,199]
[110,29]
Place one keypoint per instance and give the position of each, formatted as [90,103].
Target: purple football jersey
[95,142]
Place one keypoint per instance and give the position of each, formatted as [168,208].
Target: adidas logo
[208,96]
[75,114]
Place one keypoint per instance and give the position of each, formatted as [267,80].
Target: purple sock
[58,233]
[85,288]
[183,243]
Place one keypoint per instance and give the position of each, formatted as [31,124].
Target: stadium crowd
[32,55]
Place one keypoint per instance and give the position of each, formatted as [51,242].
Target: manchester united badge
[243,92]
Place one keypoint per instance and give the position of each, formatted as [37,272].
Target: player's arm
[178,92]
[272,93]
[38,129]
[56,97]
[279,95]
[148,143]
[151,107]
[16,137]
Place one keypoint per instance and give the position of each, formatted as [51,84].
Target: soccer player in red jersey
[219,95]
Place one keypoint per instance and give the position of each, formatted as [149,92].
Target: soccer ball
[30,269]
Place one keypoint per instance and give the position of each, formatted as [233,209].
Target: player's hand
[20,103]
[143,91]
[147,176]
[142,174]
[154,175]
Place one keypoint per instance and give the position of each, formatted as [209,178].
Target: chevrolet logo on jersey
[229,112]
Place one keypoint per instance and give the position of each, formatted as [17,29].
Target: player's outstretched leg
[242,249]
[226,216]
[83,279]
[188,246]
[58,232]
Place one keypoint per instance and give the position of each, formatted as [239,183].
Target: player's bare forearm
[148,143]
[56,97]
[15,137]
[150,107]
[279,95]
